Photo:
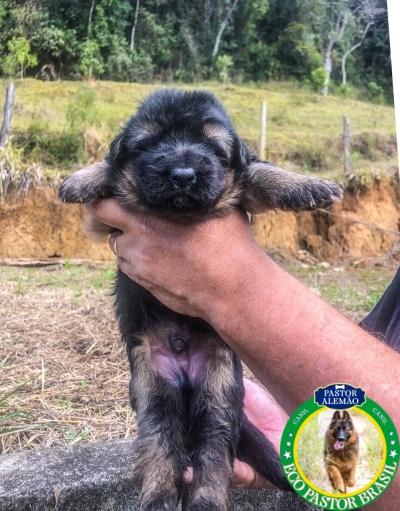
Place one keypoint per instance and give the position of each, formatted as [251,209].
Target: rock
[98,477]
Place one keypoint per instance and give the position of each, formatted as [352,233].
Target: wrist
[230,303]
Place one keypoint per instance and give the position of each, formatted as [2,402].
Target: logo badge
[340,450]
[339,396]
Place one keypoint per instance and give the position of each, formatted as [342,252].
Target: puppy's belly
[176,368]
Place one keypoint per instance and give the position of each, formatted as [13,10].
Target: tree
[134,25]
[90,63]
[338,15]
[222,28]
[19,56]
[367,12]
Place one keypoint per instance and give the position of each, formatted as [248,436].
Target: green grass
[353,291]
[374,450]
[304,129]
[310,453]
[75,279]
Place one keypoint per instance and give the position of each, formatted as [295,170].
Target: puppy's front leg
[266,186]
[88,184]
[214,418]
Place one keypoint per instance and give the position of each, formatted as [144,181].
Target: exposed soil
[37,225]
[330,237]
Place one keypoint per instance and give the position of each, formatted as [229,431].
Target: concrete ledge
[97,477]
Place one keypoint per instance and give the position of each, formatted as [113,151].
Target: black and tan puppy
[341,452]
[180,158]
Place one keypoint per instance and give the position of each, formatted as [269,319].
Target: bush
[345,90]
[223,63]
[90,61]
[318,78]
[39,144]
[376,93]
[310,155]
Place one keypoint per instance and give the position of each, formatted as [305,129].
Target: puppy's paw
[160,504]
[307,194]
[88,184]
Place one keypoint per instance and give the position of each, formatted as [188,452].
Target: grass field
[63,371]
[52,119]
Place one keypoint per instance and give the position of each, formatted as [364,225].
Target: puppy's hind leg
[214,424]
[161,459]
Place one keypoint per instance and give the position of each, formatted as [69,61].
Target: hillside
[52,120]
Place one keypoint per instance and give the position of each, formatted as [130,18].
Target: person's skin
[289,337]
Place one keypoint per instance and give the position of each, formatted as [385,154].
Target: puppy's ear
[266,186]
[346,415]
[88,184]
[336,416]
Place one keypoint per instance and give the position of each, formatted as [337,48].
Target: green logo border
[332,501]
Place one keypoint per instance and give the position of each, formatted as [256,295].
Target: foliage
[174,40]
[90,62]
[318,78]
[376,93]
[345,90]
[223,63]
[19,56]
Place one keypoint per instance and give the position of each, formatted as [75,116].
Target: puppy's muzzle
[183,177]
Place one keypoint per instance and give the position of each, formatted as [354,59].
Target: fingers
[110,213]
[244,477]
[247,478]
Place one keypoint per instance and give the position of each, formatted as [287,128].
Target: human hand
[189,268]
[265,413]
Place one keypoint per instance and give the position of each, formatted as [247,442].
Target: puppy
[341,452]
[180,158]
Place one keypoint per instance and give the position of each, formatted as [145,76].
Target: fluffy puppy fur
[180,158]
[341,452]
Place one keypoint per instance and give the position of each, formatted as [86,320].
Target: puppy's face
[175,155]
[180,158]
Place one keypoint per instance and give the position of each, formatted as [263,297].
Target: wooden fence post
[8,108]
[346,146]
[263,129]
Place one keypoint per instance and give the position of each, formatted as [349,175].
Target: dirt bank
[36,225]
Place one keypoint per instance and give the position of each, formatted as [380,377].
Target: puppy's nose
[183,177]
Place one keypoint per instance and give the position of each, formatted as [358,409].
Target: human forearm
[295,342]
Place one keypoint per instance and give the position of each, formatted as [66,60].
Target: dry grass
[59,337]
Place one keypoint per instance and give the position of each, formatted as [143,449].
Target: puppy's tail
[258,452]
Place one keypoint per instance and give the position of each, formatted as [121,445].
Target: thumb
[246,477]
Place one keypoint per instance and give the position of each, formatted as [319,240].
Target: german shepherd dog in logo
[341,452]
[179,158]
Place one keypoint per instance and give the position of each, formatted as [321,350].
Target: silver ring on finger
[115,246]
